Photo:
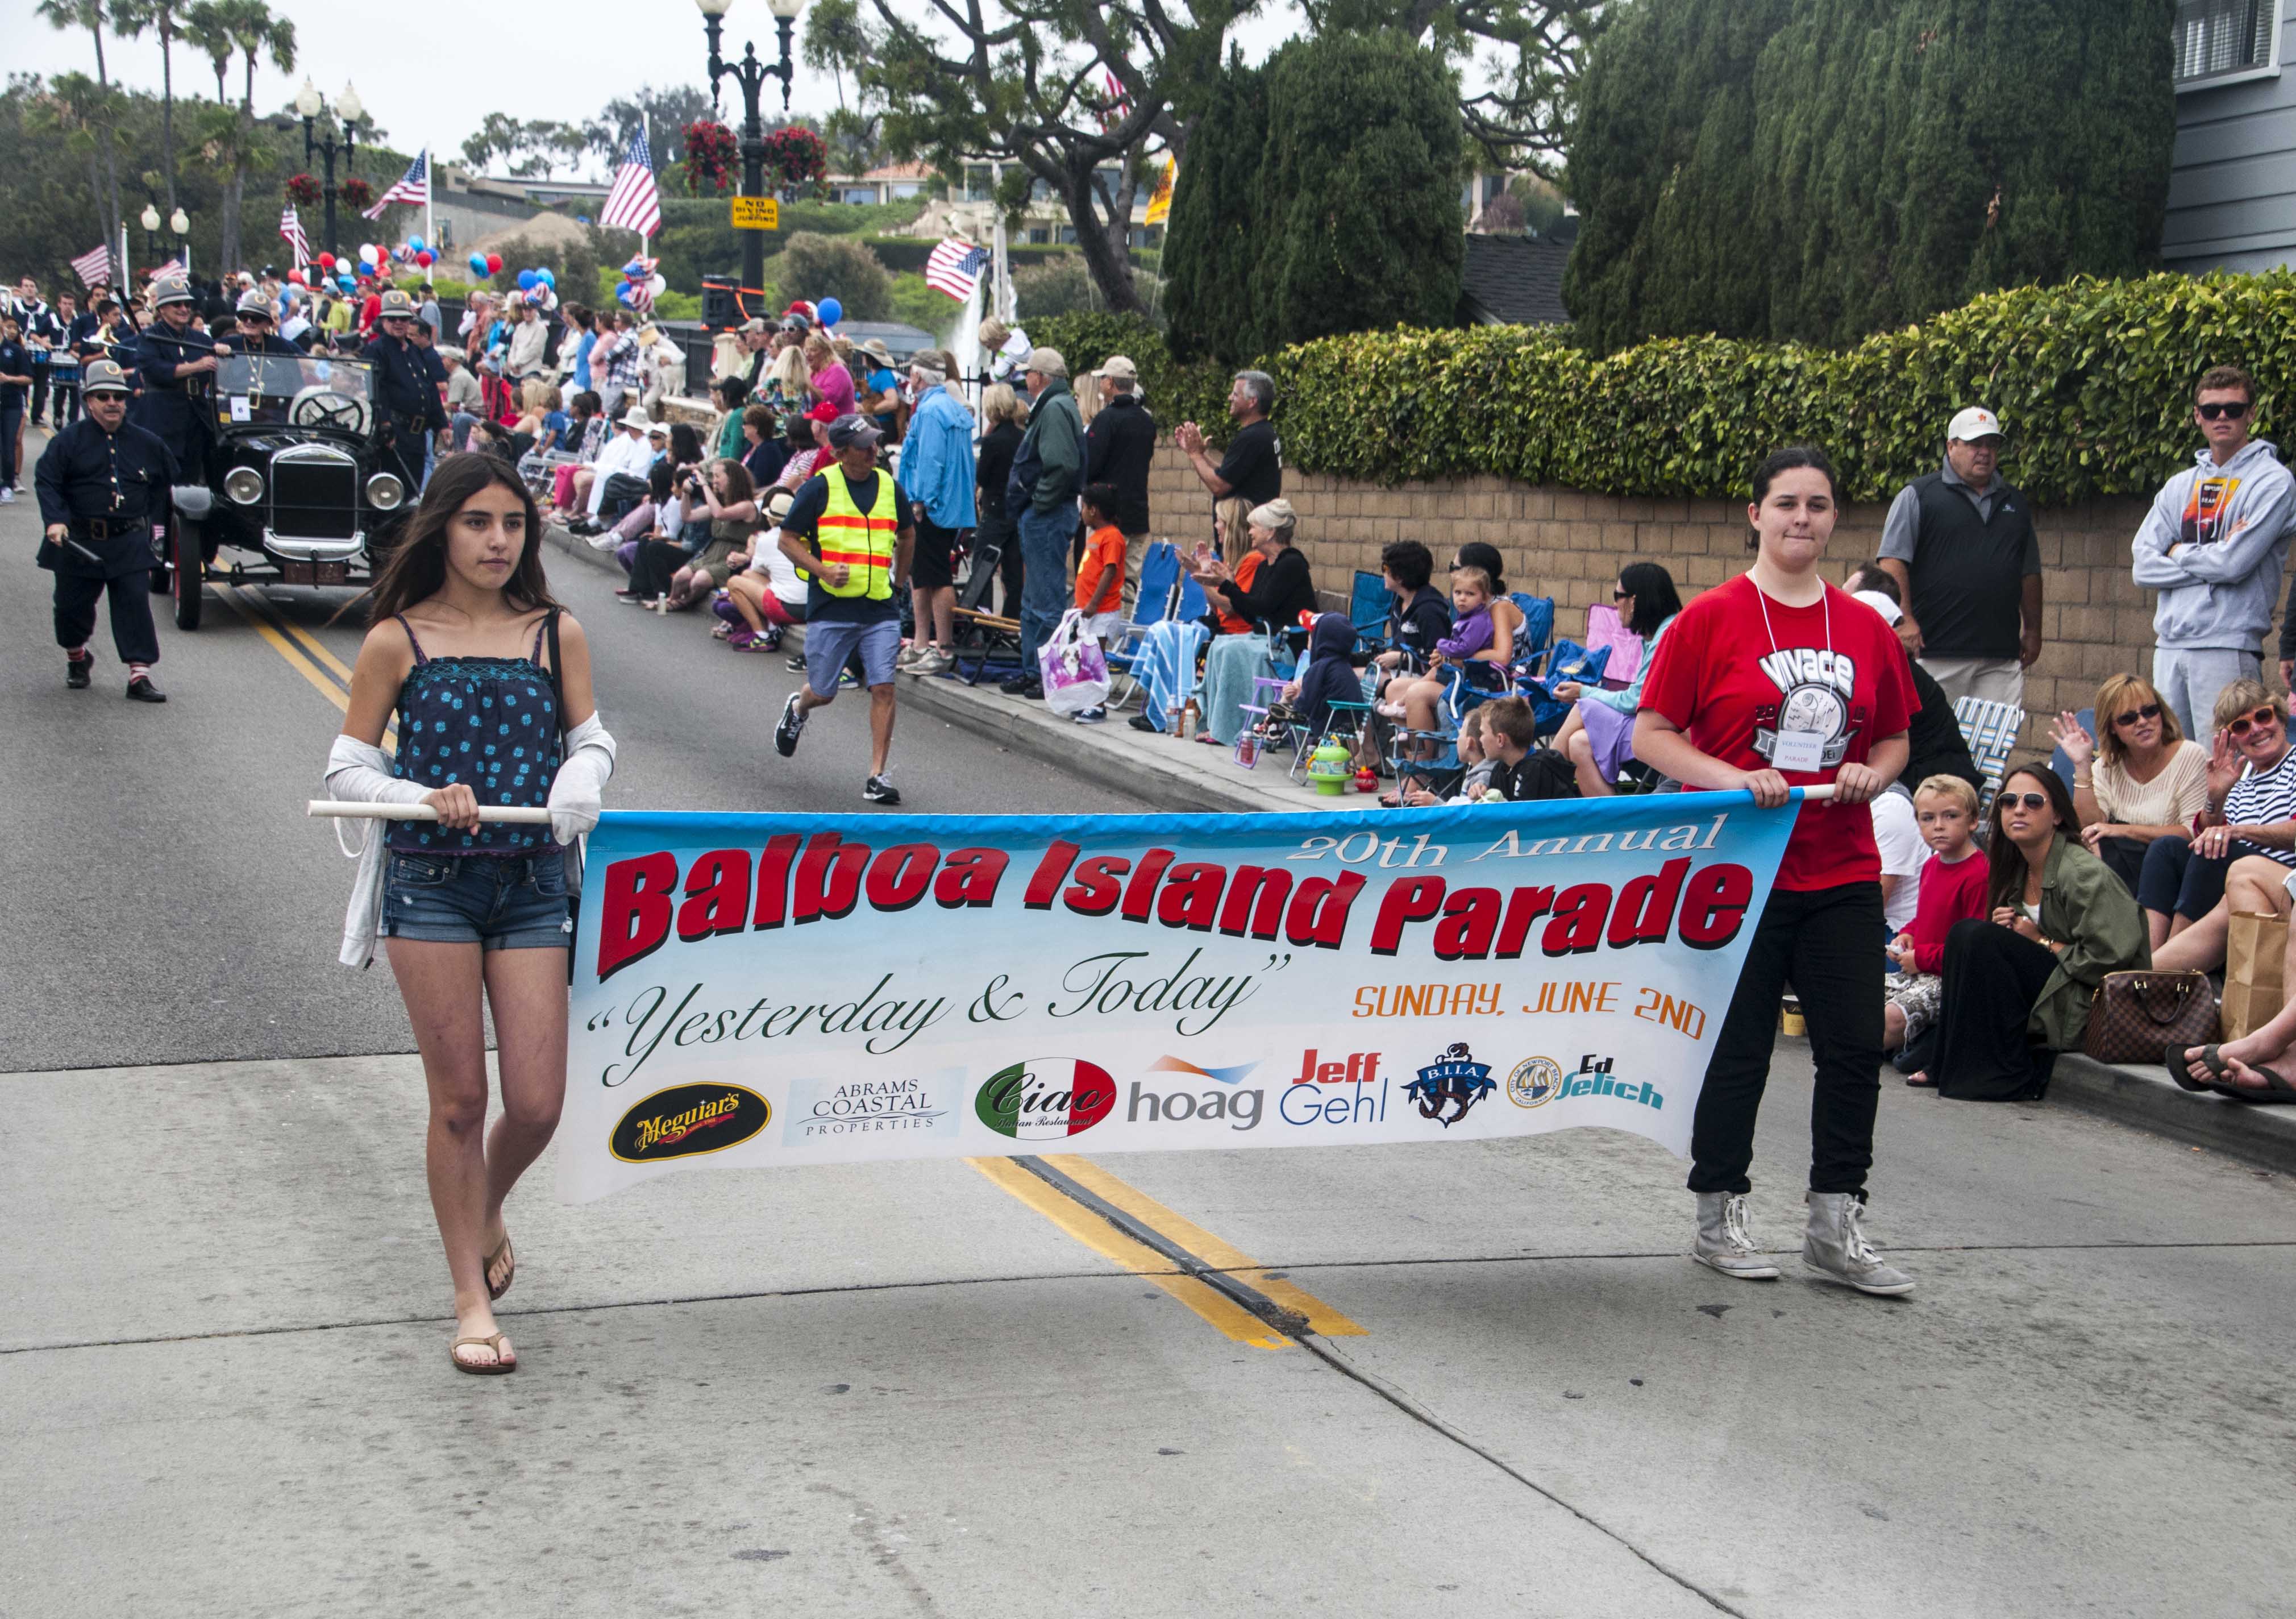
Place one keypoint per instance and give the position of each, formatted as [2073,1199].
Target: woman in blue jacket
[1598,738]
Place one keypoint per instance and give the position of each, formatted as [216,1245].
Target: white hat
[638,419]
[1890,611]
[1974,423]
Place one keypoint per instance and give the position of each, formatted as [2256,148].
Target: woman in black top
[1007,419]
[1280,592]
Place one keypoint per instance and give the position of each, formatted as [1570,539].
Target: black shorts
[932,565]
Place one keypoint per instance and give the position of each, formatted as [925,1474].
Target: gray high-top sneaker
[1722,1239]
[1835,1243]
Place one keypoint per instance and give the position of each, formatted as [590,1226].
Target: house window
[979,182]
[2219,40]
[863,194]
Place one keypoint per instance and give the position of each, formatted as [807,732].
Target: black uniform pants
[133,636]
[12,422]
[1827,943]
[39,389]
[66,389]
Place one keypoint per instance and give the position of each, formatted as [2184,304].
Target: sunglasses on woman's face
[2031,801]
[2151,710]
[1621,595]
[2256,721]
[2216,413]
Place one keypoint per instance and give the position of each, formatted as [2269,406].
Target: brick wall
[2095,621]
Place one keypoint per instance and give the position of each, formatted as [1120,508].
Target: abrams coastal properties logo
[686,1121]
[1045,1098]
[840,1109]
[1454,1081]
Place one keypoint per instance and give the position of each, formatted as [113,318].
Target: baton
[353,809]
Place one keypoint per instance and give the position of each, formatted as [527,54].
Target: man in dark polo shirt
[1960,543]
[1251,474]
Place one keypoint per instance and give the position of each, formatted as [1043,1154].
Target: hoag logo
[1045,1098]
[688,1120]
[1454,1080]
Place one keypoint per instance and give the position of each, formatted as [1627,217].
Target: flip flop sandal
[2274,1089]
[486,1266]
[2179,1059]
[1922,1082]
[495,1368]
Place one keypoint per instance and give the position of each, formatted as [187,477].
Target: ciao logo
[1045,1098]
[688,1120]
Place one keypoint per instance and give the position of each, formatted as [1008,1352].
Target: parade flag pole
[361,810]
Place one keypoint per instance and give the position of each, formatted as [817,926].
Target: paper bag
[2254,949]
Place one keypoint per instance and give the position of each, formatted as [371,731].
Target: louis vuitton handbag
[2137,1015]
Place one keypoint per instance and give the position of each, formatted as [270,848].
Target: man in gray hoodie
[2213,545]
[1047,471]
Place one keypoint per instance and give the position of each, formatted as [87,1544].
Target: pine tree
[1360,188]
[1211,246]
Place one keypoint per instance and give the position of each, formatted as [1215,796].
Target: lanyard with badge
[1797,747]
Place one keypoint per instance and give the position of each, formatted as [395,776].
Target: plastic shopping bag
[1074,672]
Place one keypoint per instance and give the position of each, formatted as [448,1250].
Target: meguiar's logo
[687,1120]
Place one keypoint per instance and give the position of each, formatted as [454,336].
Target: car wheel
[189,567]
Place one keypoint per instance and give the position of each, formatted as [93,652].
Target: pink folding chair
[1604,630]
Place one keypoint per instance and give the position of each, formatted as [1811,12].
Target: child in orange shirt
[1100,577]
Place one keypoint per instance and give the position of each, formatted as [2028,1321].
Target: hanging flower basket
[358,193]
[711,153]
[302,191]
[797,159]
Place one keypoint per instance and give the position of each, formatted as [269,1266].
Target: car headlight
[384,492]
[243,484]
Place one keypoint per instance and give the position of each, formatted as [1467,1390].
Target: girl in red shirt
[1772,681]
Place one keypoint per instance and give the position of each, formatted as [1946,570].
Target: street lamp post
[752,75]
[351,110]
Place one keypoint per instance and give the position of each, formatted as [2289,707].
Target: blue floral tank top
[491,723]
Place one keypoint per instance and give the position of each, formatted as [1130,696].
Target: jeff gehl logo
[1336,1088]
[1538,1080]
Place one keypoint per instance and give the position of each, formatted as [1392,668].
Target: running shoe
[1093,715]
[880,790]
[794,663]
[846,682]
[791,728]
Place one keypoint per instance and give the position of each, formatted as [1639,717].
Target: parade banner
[763,989]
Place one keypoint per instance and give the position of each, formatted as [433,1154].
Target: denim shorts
[830,642]
[503,903]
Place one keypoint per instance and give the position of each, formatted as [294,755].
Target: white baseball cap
[1974,423]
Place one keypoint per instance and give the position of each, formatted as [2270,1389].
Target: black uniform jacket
[119,481]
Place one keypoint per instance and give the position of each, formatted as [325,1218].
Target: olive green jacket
[2086,909]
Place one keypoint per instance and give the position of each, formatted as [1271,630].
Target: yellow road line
[285,647]
[1214,1251]
[1104,1239]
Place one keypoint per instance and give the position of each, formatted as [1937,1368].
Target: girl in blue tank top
[485,674]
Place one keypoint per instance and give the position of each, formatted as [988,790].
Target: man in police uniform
[406,398]
[849,534]
[176,363]
[256,334]
[103,484]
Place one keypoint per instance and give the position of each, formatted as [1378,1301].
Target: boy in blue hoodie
[2213,545]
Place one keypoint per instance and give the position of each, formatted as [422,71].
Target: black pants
[656,562]
[66,389]
[40,391]
[2177,882]
[997,527]
[12,422]
[621,493]
[1827,942]
[1992,979]
[2124,858]
[133,636]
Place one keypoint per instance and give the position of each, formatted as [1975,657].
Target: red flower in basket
[302,191]
[712,153]
[358,193]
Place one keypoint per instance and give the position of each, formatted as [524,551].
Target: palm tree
[74,107]
[217,29]
[129,19]
[206,32]
[89,14]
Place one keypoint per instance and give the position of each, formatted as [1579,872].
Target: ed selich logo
[687,1120]
[1455,1079]
[1045,1098]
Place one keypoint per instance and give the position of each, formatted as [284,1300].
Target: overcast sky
[584,54]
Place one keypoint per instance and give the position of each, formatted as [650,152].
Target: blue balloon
[623,293]
[830,311]
[526,281]
[414,244]
[347,284]
[478,264]
[546,276]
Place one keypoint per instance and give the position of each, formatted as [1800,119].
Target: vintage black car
[294,487]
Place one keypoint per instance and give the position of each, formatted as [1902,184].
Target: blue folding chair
[2060,761]
[1567,661]
[1367,609]
[1537,625]
[1151,604]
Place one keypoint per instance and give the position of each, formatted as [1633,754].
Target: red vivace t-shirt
[1737,667]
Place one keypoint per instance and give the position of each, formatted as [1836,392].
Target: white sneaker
[7,496]
[1723,1243]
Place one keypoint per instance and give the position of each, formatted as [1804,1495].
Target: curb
[2145,1098]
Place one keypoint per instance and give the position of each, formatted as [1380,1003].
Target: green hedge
[2091,379]
[1177,391]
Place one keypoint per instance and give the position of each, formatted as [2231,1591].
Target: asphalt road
[945,1388]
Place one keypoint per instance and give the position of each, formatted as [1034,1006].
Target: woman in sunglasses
[2018,985]
[2249,811]
[2137,779]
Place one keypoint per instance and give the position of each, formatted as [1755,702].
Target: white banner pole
[346,809]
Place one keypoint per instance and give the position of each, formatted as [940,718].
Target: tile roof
[1513,281]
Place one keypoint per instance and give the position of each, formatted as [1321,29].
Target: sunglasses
[2151,710]
[2256,721]
[1622,596]
[2031,801]
[2217,413]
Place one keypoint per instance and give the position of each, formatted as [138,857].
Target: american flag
[413,186]
[174,267]
[633,203]
[291,228]
[955,267]
[93,265]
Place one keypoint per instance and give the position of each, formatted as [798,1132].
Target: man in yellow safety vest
[849,531]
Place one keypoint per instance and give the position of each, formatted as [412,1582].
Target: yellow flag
[1160,200]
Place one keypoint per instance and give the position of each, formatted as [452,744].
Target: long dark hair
[1787,460]
[2004,862]
[1655,600]
[416,569]
[1479,554]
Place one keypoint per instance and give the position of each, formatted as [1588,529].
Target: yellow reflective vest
[864,541]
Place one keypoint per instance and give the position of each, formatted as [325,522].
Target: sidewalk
[1163,773]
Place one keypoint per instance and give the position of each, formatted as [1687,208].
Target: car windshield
[267,388]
